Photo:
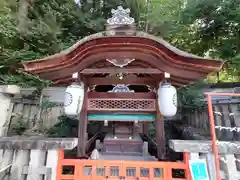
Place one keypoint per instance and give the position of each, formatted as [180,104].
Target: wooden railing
[125,170]
[91,142]
[152,145]
[100,104]
[149,140]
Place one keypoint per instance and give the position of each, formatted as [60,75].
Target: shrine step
[130,157]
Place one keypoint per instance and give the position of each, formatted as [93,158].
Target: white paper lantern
[73,100]
[167,99]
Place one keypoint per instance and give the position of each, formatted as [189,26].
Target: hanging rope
[231,129]
[231,144]
[225,160]
[226,113]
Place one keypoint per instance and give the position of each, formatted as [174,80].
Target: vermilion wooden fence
[124,170]
[212,127]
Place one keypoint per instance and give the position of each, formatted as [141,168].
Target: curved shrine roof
[148,49]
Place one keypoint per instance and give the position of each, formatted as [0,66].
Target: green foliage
[64,128]
[17,46]
[192,96]
[24,80]
[217,25]
[47,105]
[208,28]
[202,27]
[19,126]
[32,30]
[162,16]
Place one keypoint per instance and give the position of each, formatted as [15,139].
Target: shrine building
[118,75]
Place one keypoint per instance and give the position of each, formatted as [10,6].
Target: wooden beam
[110,81]
[106,95]
[145,126]
[121,70]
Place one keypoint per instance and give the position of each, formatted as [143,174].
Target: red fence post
[186,158]
[59,164]
[214,139]
[212,126]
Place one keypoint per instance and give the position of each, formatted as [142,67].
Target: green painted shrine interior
[121,117]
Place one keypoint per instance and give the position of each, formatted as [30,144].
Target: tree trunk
[22,14]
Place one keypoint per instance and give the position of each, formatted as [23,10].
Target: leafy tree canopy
[38,28]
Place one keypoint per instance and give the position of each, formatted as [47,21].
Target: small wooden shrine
[121,68]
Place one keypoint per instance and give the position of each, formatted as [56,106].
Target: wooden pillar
[145,128]
[82,127]
[160,135]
